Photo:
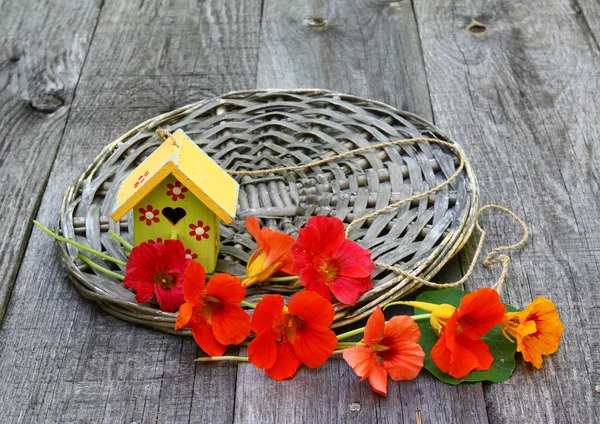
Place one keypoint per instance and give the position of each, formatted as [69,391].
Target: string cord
[496,256]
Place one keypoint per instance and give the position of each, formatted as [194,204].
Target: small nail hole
[316,22]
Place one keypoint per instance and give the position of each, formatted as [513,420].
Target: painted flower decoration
[387,349]
[325,260]
[190,255]
[272,253]
[149,215]
[200,231]
[289,336]
[537,330]
[157,269]
[176,191]
[459,351]
[213,310]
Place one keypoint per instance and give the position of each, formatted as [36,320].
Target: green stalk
[247,304]
[120,239]
[79,245]
[100,268]
[222,358]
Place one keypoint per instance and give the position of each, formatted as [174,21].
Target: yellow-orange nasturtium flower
[537,330]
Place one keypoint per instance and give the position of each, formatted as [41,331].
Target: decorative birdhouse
[180,193]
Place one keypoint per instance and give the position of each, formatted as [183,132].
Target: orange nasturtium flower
[213,311]
[387,349]
[459,351]
[289,336]
[537,329]
[272,254]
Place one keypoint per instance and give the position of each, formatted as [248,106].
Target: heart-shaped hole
[173,215]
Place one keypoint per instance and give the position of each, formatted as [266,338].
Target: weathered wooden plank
[63,359]
[520,92]
[370,49]
[42,50]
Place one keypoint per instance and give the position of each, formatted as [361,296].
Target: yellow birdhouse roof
[182,158]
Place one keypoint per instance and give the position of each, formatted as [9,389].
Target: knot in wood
[477,28]
[47,102]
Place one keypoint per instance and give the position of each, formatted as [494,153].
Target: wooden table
[517,83]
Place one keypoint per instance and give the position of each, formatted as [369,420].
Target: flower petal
[206,340]
[185,316]
[312,308]
[143,292]
[193,282]
[331,231]
[479,312]
[405,363]
[478,348]
[312,281]
[361,360]
[378,380]
[171,299]
[253,228]
[262,351]
[286,365]
[347,290]
[400,330]
[375,326]
[265,313]
[226,288]
[353,261]
[314,345]
[306,248]
[230,323]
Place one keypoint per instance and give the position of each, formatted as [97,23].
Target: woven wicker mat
[266,129]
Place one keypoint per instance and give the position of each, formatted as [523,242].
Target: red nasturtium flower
[272,253]
[289,336]
[459,351]
[213,311]
[537,329]
[325,260]
[157,269]
[387,349]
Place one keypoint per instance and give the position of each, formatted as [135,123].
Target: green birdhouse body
[171,211]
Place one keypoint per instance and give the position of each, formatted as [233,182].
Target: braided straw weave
[268,129]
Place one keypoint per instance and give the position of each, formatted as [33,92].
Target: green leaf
[502,349]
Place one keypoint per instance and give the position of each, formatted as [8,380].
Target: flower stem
[100,268]
[351,333]
[420,317]
[79,245]
[120,239]
[247,304]
[222,358]
[347,344]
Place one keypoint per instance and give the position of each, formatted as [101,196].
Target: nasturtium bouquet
[456,335]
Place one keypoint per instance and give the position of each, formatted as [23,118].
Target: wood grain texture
[64,359]
[371,49]
[521,95]
[42,50]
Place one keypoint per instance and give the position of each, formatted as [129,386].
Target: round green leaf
[502,349]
